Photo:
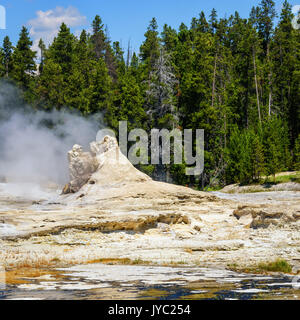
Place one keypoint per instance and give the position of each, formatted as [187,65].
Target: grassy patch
[279,265]
[292,178]
[124,261]
[281,179]
[40,263]
[140,262]
[175,263]
[24,275]
[211,189]
[265,182]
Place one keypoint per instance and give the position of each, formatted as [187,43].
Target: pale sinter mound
[104,165]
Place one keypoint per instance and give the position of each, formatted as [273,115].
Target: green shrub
[279,265]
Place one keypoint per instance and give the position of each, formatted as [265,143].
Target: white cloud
[46,24]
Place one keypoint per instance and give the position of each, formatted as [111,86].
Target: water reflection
[105,282]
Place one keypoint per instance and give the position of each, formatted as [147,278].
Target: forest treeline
[237,78]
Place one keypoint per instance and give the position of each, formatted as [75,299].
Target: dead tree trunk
[270,84]
[256,85]
[214,81]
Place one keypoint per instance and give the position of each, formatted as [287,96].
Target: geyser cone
[105,173]
[103,166]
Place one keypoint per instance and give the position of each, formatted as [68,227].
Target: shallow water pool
[115,282]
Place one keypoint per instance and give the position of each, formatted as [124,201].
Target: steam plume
[34,144]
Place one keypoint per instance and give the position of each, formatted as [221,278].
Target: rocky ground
[119,215]
[288,186]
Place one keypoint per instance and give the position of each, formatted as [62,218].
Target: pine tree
[129,103]
[55,81]
[294,119]
[76,96]
[62,48]
[246,168]
[98,38]
[276,146]
[284,53]
[258,160]
[7,55]
[297,154]
[266,14]
[134,61]
[2,63]
[265,19]
[100,89]
[213,20]
[42,48]
[110,59]
[24,61]
[233,156]
[51,86]
[119,58]
[203,25]
[82,50]
[169,38]
[149,51]
[244,156]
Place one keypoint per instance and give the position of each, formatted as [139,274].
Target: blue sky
[126,19]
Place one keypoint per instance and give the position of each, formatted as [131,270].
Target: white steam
[34,144]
